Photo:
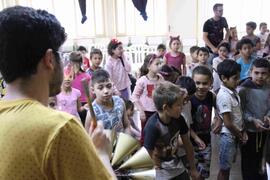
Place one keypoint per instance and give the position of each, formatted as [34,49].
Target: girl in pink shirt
[145,85]
[69,98]
[78,75]
[118,67]
[175,57]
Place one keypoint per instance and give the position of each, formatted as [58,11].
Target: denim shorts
[227,151]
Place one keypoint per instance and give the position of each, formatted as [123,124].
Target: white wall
[182,20]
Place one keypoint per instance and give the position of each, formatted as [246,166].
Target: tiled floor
[235,171]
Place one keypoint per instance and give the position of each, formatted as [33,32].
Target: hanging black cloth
[141,6]
[82,4]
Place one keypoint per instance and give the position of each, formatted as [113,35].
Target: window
[130,22]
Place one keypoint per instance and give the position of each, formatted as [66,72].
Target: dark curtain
[141,6]
[82,4]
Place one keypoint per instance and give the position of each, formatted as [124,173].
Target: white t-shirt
[217,81]
[229,101]
[263,38]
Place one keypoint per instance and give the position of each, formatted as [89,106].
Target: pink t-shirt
[119,73]
[67,102]
[175,61]
[143,92]
[77,84]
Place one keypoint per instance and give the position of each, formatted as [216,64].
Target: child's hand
[200,143]
[142,116]
[217,125]
[99,138]
[244,137]
[195,175]
[259,125]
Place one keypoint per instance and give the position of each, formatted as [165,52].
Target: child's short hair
[187,83]
[228,68]
[113,44]
[193,49]
[261,63]
[203,49]
[251,24]
[99,76]
[76,57]
[242,42]
[166,93]
[203,70]
[95,51]
[226,45]
[217,5]
[161,46]
[262,24]
[166,70]
[82,48]
[129,105]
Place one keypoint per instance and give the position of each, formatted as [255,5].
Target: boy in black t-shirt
[202,103]
[161,134]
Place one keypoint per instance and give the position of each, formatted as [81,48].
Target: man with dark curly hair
[37,142]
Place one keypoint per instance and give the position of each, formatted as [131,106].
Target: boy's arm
[197,139]
[138,91]
[184,72]
[217,119]
[190,156]
[229,124]
[248,116]
[125,121]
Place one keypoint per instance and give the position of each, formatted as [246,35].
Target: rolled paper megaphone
[125,145]
[141,159]
[144,175]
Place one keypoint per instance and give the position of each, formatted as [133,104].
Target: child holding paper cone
[108,109]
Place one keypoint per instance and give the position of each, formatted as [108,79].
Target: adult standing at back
[213,31]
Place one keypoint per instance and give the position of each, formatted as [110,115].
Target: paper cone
[141,159]
[124,147]
[144,175]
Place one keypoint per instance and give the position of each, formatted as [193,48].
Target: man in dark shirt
[213,30]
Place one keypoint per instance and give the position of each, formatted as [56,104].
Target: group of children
[175,103]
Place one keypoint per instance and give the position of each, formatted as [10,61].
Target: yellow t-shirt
[40,143]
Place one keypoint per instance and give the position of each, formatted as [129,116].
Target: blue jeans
[227,150]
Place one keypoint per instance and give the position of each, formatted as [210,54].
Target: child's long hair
[113,44]
[147,61]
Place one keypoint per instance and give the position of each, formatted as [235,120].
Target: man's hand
[99,138]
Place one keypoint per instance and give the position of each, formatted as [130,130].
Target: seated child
[161,134]
[109,109]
